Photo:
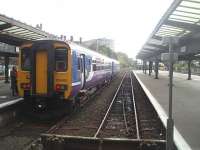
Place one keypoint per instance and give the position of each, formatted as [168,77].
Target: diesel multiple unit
[54,73]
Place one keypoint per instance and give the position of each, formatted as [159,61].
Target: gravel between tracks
[86,122]
[19,134]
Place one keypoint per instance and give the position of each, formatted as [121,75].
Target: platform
[5,93]
[186,102]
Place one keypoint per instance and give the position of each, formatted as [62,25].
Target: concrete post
[6,62]
[189,69]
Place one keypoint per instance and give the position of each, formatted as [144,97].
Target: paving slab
[186,102]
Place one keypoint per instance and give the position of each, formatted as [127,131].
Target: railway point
[126,83]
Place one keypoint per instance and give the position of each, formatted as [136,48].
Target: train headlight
[61,87]
[25,86]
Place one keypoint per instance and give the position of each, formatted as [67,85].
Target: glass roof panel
[184,18]
[169,30]
[172,27]
[190,4]
[181,20]
[165,34]
[186,14]
[188,9]
[16,30]
[197,1]
[23,32]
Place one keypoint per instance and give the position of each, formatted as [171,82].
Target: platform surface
[186,102]
[5,92]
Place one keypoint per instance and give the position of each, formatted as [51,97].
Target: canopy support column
[6,63]
[145,67]
[156,69]
[150,67]
[189,69]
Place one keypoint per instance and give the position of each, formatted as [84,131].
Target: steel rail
[135,110]
[106,115]
[124,115]
[57,136]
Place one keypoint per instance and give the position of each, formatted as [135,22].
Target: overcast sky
[128,22]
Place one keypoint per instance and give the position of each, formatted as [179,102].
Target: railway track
[130,117]
[120,120]
[130,121]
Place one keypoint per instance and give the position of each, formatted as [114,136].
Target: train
[52,75]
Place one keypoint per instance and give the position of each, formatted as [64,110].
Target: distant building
[95,43]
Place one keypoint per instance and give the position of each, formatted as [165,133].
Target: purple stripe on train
[97,78]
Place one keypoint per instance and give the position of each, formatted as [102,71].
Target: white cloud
[128,22]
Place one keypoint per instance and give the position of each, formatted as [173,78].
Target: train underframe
[50,107]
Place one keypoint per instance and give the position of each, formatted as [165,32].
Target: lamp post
[171,57]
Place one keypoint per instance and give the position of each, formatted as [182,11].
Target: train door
[83,73]
[41,72]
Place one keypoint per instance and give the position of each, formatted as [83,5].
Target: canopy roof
[15,32]
[182,20]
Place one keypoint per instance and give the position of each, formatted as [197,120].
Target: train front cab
[44,76]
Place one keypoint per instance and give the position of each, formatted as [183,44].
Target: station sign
[166,57]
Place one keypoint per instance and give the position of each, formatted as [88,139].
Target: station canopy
[181,20]
[14,32]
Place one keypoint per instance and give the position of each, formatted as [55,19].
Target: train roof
[81,49]
[90,52]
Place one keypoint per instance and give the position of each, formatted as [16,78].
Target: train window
[25,59]
[61,59]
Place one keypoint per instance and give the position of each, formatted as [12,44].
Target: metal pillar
[156,69]
[170,122]
[6,63]
[189,69]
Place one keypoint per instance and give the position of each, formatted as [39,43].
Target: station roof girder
[182,19]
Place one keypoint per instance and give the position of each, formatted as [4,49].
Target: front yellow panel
[64,78]
[41,72]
